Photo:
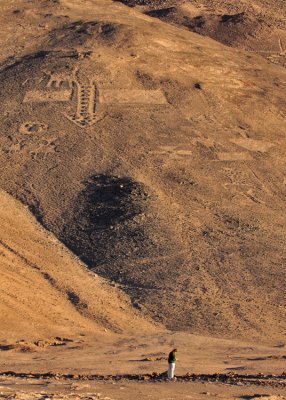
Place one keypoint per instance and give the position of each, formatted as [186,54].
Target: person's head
[175,350]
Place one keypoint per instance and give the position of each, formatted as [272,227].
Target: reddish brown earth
[155,154]
[256,26]
[142,188]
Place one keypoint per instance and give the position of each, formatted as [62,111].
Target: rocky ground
[146,162]
[254,26]
[142,153]
[121,367]
[122,390]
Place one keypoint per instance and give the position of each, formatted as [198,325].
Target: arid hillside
[155,154]
[46,291]
[256,26]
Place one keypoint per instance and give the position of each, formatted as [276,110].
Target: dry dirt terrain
[256,26]
[142,198]
[66,333]
[156,155]
[46,291]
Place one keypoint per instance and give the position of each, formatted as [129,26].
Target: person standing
[172,363]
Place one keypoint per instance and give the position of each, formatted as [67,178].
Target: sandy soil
[36,304]
[146,143]
[45,290]
[117,356]
[29,390]
[256,26]
[146,161]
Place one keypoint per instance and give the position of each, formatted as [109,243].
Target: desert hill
[156,155]
[45,291]
[257,26]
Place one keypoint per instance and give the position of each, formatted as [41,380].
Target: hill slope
[158,157]
[45,290]
[257,26]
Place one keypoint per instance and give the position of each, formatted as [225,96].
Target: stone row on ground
[230,378]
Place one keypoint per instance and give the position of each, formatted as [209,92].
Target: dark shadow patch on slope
[12,62]
[232,18]
[86,33]
[162,12]
[149,3]
[76,301]
[113,226]
[229,29]
[103,219]
[32,58]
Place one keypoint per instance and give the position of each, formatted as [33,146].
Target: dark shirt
[172,357]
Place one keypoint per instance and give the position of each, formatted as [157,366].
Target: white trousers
[171,370]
